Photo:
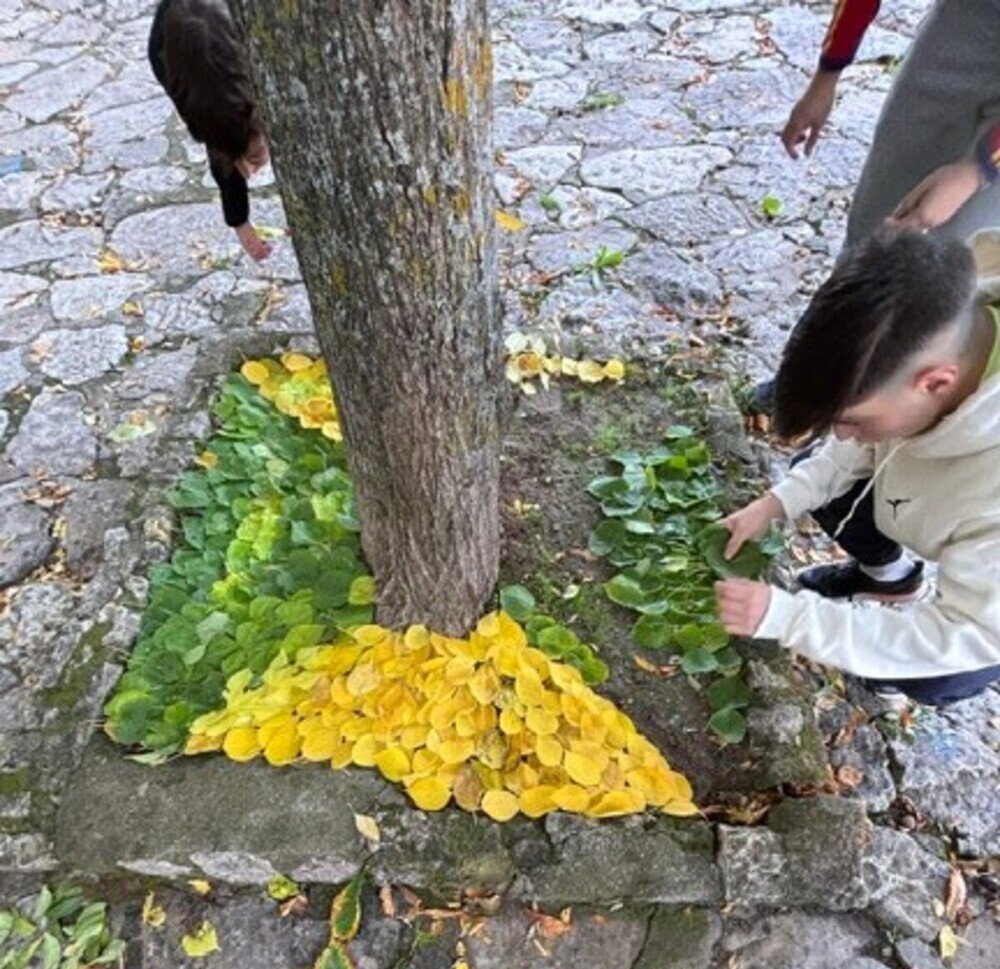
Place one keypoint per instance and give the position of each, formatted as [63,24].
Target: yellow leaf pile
[487,721]
[528,360]
[298,386]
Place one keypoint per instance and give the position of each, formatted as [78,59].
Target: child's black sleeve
[235,195]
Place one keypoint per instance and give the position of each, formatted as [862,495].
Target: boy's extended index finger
[735,540]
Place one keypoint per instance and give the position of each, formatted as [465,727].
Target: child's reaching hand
[750,524]
[251,241]
[742,605]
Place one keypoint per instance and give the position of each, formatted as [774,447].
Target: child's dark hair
[888,296]
[206,77]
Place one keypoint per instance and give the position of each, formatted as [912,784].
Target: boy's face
[897,411]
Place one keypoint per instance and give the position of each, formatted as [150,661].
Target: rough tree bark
[378,114]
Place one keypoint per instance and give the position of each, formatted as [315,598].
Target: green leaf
[345,914]
[42,902]
[652,632]
[728,724]
[362,591]
[548,203]
[51,952]
[302,637]
[517,602]
[770,206]
[557,640]
[335,956]
[748,563]
[593,670]
[698,660]
[729,691]
[281,888]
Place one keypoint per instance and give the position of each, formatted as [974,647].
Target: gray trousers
[946,94]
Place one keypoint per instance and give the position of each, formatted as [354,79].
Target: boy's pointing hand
[742,605]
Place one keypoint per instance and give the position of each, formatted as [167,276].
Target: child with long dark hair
[197,56]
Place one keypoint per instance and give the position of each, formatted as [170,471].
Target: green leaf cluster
[269,560]
[660,529]
[58,929]
[550,636]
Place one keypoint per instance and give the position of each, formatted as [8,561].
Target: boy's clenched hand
[742,605]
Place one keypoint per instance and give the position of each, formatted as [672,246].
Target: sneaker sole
[892,597]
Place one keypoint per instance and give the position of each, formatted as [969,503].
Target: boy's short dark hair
[887,297]
[206,77]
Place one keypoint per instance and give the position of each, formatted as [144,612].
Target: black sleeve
[235,195]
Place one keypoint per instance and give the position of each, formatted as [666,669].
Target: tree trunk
[378,115]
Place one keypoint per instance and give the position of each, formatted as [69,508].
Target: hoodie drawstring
[864,491]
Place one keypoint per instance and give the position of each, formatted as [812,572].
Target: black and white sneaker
[848,581]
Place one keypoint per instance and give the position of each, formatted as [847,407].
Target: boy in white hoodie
[897,359]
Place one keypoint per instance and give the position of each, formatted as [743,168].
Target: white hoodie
[938,494]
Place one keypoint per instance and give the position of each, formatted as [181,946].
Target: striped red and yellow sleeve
[844,35]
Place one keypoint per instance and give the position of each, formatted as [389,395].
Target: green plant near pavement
[660,530]
[58,929]
[269,560]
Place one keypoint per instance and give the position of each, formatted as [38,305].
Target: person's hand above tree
[252,243]
[810,114]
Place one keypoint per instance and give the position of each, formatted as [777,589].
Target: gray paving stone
[29,243]
[12,371]
[579,208]
[48,148]
[18,193]
[52,91]
[18,290]
[93,297]
[79,355]
[905,883]
[607,13]
[728,40]
[91,509]
[642,861]
[27,541]
[620,45]
[76,193]
[683,219]
[810,854]
[45,633]
[797,941]
[544,165]
[516,126]
[747,99]
[980,943]
[916,954]
[53,437]
[680,939]
[951,771]
[645,174]
[595,939]
[561,251]
[672,280]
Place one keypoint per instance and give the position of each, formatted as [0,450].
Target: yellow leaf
[681,809]
[255,372]
[110,262]
[571,797]
[153,914]
[393,762]
[615,803]
[536,801]
[468,788]
[200,885]
[948,943]
[590,372]
[429,793]
[508,222]
[207,459]
[202,942]
[241,744]
[283,747]
[132,307]
[456,751]
[293,362]
[500,805]
[614,370]
[541,722]
[363,679]
[367,827]
[581,770]
[365,751]
[320,744]
[549,751]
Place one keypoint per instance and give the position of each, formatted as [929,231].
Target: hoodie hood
[974,426]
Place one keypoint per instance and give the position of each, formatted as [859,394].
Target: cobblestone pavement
[646,126]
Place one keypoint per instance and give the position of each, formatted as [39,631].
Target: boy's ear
[938,380]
